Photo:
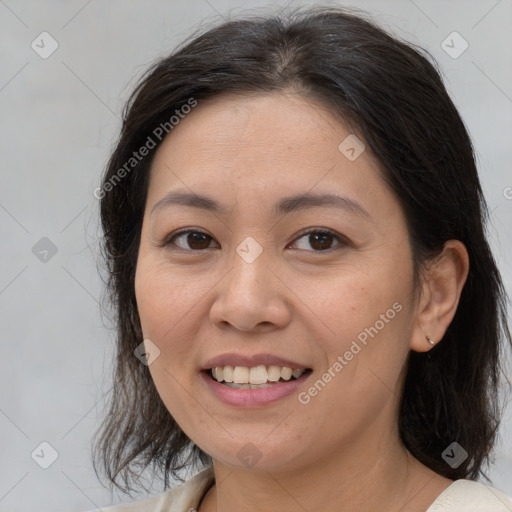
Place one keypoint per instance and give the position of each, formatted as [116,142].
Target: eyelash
[342,241]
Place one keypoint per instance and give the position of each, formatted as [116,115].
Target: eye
[321,239]
[197,240]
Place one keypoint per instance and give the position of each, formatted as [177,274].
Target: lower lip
[253,397]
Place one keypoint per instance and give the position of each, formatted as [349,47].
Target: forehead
[257,122]
[262,145]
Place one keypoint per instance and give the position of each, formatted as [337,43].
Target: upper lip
[233,359]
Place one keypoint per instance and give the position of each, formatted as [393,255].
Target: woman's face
[255,279]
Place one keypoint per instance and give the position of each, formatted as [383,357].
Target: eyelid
[342,240]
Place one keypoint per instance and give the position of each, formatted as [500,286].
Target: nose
[251,297]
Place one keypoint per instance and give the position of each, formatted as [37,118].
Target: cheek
[368,319]
[363,358]
[164,298]
[163,302]
[357,303]
[171,311]
[161,305]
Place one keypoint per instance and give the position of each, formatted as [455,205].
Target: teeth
[286,373]
[247,386]
[258,375]
[218,373]
[241,375]
[254,375]
[297,373]
[273,373]
[227,373]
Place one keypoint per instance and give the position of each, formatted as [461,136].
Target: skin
[341,451]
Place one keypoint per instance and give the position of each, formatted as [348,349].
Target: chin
[247,453]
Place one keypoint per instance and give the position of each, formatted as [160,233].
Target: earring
[429,340]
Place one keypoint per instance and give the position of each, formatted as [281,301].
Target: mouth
[255,377]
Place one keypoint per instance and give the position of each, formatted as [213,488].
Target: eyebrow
[284,206]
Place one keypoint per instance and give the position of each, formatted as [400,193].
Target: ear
[442,285]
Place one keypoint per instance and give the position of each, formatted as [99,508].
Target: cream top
[461,496]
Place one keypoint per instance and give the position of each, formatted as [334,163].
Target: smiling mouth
[257,377]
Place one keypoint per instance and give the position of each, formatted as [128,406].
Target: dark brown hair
[393,94]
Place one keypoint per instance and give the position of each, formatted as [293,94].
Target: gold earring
[429,340]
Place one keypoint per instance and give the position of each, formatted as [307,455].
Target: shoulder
[181,498]
[470,496]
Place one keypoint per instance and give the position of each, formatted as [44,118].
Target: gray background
[60,119]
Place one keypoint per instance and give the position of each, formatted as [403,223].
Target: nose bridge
[249,274]
[248,295]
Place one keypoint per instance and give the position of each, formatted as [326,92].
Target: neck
[378,476]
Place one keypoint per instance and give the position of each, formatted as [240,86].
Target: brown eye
[321,240]
[196,240]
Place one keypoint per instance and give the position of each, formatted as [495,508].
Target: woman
[307,306]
